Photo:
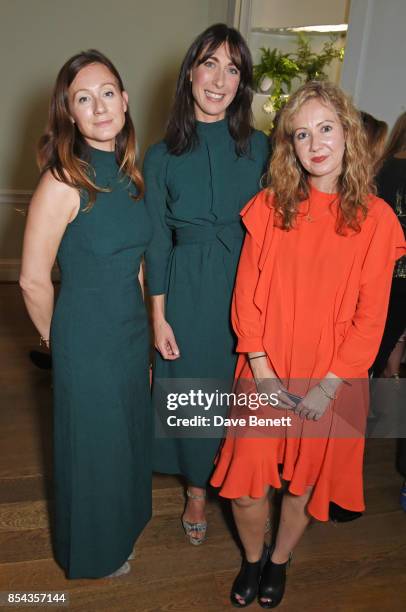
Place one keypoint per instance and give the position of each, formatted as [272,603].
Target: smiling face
[214,85]
[97,106]
[319,143]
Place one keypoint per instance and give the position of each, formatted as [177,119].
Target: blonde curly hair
[288,180]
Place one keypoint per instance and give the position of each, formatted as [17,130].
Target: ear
[125,100]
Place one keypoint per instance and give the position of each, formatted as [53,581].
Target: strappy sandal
[190,527]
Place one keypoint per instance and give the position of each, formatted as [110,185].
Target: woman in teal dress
[88,210]
[198,179]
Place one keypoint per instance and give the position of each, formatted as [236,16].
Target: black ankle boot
[247,582]
[272,584]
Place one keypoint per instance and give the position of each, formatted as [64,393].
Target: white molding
[9,270]
[19,200]
[19,197]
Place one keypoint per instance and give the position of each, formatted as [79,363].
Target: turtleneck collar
[204,127]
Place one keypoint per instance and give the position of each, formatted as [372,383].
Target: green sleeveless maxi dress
[102,414]
[194,201]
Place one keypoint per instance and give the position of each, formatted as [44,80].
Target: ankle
[280,558]
[196,494]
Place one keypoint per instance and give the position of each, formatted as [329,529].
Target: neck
[323,184]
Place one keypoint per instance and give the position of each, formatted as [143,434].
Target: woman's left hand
[313,405]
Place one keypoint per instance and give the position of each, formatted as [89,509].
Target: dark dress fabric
[391,183]
[102,413]
[194,201]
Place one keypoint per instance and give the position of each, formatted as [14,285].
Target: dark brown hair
[181,133]
[64,151]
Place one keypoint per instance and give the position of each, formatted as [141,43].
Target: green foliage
[312,65]
[278,66]
[282,68]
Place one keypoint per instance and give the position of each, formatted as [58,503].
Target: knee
[299,501]
[248,502]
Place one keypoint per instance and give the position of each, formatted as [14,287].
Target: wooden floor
[349,567]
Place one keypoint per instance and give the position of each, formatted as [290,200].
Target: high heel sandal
[246,583]
[190,527]
[272,584]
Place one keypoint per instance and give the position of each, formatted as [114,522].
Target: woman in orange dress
[309,308]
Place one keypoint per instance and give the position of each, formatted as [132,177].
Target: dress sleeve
[160,247]
[247,317]
[358,350]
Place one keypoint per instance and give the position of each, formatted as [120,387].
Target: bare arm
[53,206]
[164,337]
[141,279]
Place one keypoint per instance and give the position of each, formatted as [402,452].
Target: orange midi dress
[314,301]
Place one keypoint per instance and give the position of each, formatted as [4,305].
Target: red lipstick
[320,159]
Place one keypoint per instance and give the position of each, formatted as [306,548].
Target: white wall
[374,70]
[146,39]
[285,13]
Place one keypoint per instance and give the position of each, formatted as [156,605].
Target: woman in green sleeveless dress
[197,181]
[88,209]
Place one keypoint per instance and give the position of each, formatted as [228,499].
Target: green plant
[277,66]
[276,70]
[312,65]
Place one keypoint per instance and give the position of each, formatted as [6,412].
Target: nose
[99,106]
[218,78]
[315,142]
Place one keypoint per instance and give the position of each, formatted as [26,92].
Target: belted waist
[226,234]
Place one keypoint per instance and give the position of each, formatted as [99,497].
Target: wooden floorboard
[358,566]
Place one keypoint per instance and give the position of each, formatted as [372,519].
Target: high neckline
[205,126]
[101,153]
[106,159]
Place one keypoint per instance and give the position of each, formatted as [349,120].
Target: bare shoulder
[54,196]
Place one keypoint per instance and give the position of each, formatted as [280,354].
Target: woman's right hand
[268,382]
[164,340]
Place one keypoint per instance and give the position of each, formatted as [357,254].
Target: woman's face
[97,106]
[319,143]
[214,85]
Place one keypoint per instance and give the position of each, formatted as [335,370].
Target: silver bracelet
[325,391]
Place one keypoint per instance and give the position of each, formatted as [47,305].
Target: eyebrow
[317,124]
[102,85]
[213,57]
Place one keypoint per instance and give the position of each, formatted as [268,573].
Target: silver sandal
[195,527]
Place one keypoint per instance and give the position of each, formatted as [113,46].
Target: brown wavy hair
[397,138]
[64,151]
[377,132]
[287,178]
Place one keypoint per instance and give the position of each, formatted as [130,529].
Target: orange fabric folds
[314,301]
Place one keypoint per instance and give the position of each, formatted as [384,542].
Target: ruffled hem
[245,467]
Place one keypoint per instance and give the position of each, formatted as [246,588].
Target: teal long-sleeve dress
[194,201]
[102,404]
